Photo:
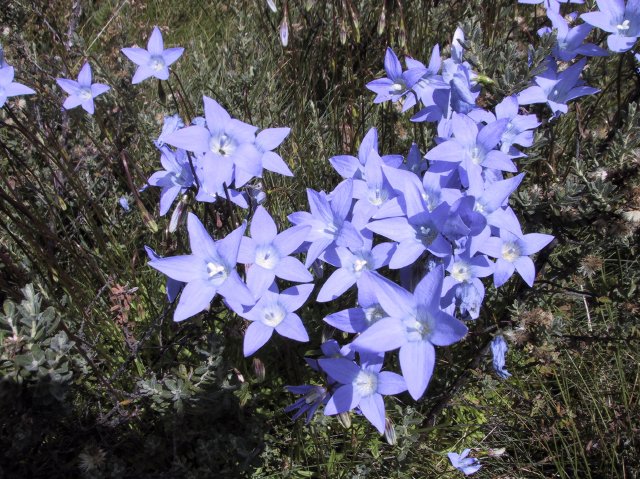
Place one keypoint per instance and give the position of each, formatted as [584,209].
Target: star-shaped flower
[8,87]
[155,60]
[83,91]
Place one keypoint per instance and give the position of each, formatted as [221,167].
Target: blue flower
[8,87]
[570,40]
[396,85]
[415,324]
[274,312]
[556,89]
[208,270]
[155,60]
[176,177]
[512,253]
[83,91]
[499,348]
[467,465]
[329,226]
[170,124]
[312,398]
[267,253]
[620,20]
[362,386]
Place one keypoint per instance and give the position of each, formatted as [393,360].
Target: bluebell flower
[620,20]
[171,123]
[499,349]
[570,41]
[155,60]
[472,148]
[416,234]
[210,269]
[416,323]
[83,91]
[465,464]
[395,85]
[328,221]
[425,79]
[226,147]
[362,386]
[124,204]
[352,266]
[349,166]
[368,312]
[519,129]
[274,311]
[267,253]
[8,87]
[512,253]
[175,179]
[556,89]
[463,285]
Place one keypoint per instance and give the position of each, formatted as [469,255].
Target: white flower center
[419,325]
[366,383]
[475,155]
[623,27]
[426,235]
[510,251]
[217,272]
[479,207]
[362,262]
[374,313]
[461,271]
[267,256]
[377,196]
[273,314]
[85,94]
[398,87]
[157,63]
[222,145]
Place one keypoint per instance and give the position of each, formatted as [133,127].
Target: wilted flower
[499,349]
[468,465]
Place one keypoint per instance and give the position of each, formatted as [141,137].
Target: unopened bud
[390,432]
[258,369]
[345,419]
[284,32]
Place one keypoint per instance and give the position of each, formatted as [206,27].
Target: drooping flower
[155,60]
[499,349]
[210,269]
[83,91]
[467,465]
[362,386]
[176,177]
[312,398]
[8,87]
